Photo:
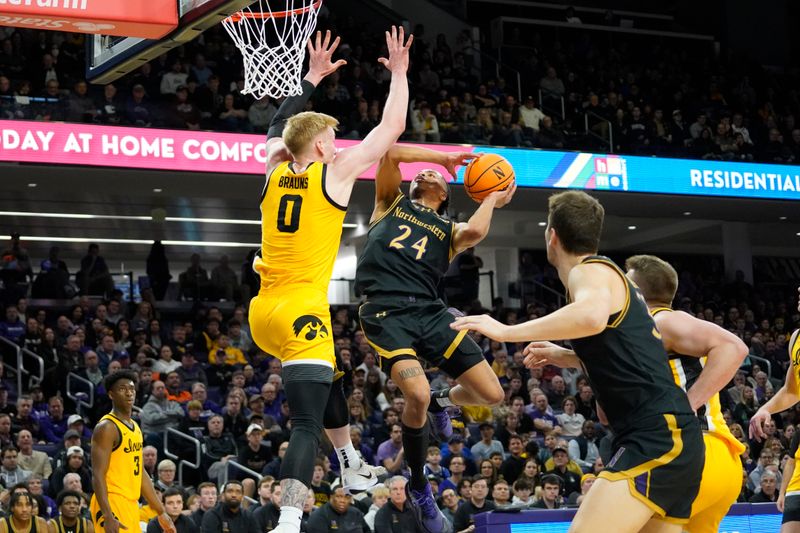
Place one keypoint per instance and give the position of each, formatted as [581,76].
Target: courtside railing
[174,456]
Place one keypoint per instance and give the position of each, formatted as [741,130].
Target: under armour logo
[380,315]
[314,325]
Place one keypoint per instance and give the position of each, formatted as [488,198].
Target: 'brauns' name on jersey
[293,182]
[437,232]
[133,446]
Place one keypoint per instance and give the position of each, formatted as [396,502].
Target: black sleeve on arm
[290,106]
[794,445]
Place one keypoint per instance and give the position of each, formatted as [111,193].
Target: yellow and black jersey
[124,476]
[794,356]
[685,371]
[301,227]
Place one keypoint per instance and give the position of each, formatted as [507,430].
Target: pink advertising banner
[186,151]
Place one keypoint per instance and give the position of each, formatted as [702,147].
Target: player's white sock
[291,516]
[348,457]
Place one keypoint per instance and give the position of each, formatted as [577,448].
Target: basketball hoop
[273,44]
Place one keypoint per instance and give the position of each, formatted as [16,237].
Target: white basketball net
[273,45]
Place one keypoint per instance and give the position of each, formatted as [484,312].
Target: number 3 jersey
[301,227]
[408,251]
[124,476]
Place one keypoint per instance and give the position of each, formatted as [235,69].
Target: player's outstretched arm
[103,442]
[539,354]
[470,233]
[785,397]
[687,335]
[589,285]
[320,64]
[352,162]
[388,177]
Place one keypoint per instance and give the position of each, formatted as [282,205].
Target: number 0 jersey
[124,476]
[301,227]
[408,251]
[685,371]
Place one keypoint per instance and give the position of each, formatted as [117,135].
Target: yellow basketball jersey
[685,371]
[124,476]
[794,359]
[301,227]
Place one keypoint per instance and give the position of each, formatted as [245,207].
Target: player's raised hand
[458,159]
[757,424]
[398,50]
[503,198]
[483,324]
[166,523]
[320,52]
[541,353]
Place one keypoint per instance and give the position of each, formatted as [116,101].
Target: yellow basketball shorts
[294,325]
[126,511]
[719,487]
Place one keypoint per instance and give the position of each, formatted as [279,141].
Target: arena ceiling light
[87,216]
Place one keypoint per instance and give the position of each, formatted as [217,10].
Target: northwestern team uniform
[791,506]
[722,471]
[123,479]
[408,251]
[658,445]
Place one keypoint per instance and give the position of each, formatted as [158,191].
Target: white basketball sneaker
[355,480]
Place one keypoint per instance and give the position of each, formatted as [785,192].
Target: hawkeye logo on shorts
[313,324]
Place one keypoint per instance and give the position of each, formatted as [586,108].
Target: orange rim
[238,17]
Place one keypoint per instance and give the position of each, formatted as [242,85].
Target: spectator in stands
[390,452]
[165,362]
[768,488]
[109,106]
[200,394]
[219,445]
[166,475]
[138,110]
[230,117]
[464,516]
[515,462]
[746,407]
[229,512]
[173,505]
[583,449]
[80,107]
[337,514]
[266,515]
[395,516]
[541,414]
[173,79]
[425,124]
[75,464]
[484,447]
[94,278]
[193,282]
[208,499]
[223,278]
[261,113]
[159,413]
[54,425]
[570,482]
[571,422]
[6,438]
[34,461]
[12,328]
[551,493]
[184,115]
[10,471]
[24,418]
[176,391]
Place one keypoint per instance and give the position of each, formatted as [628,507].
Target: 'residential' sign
[236,153]
[152,19]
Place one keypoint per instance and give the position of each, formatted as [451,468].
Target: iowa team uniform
[408,251]
[78,527]
[791,507]
[722,472]
[301,228]
[658,445]
[124,477]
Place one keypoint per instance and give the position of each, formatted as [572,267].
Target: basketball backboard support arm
[109,58]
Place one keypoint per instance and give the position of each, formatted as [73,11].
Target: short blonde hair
[303,127]
[656,278]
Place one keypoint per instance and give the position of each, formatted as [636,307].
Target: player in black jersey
[408,251]
[655,470]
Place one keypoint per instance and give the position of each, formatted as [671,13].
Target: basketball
[487,174]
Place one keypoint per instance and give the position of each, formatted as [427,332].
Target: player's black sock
[415,446]
[439,400]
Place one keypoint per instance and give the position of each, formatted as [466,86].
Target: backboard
[109,57]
